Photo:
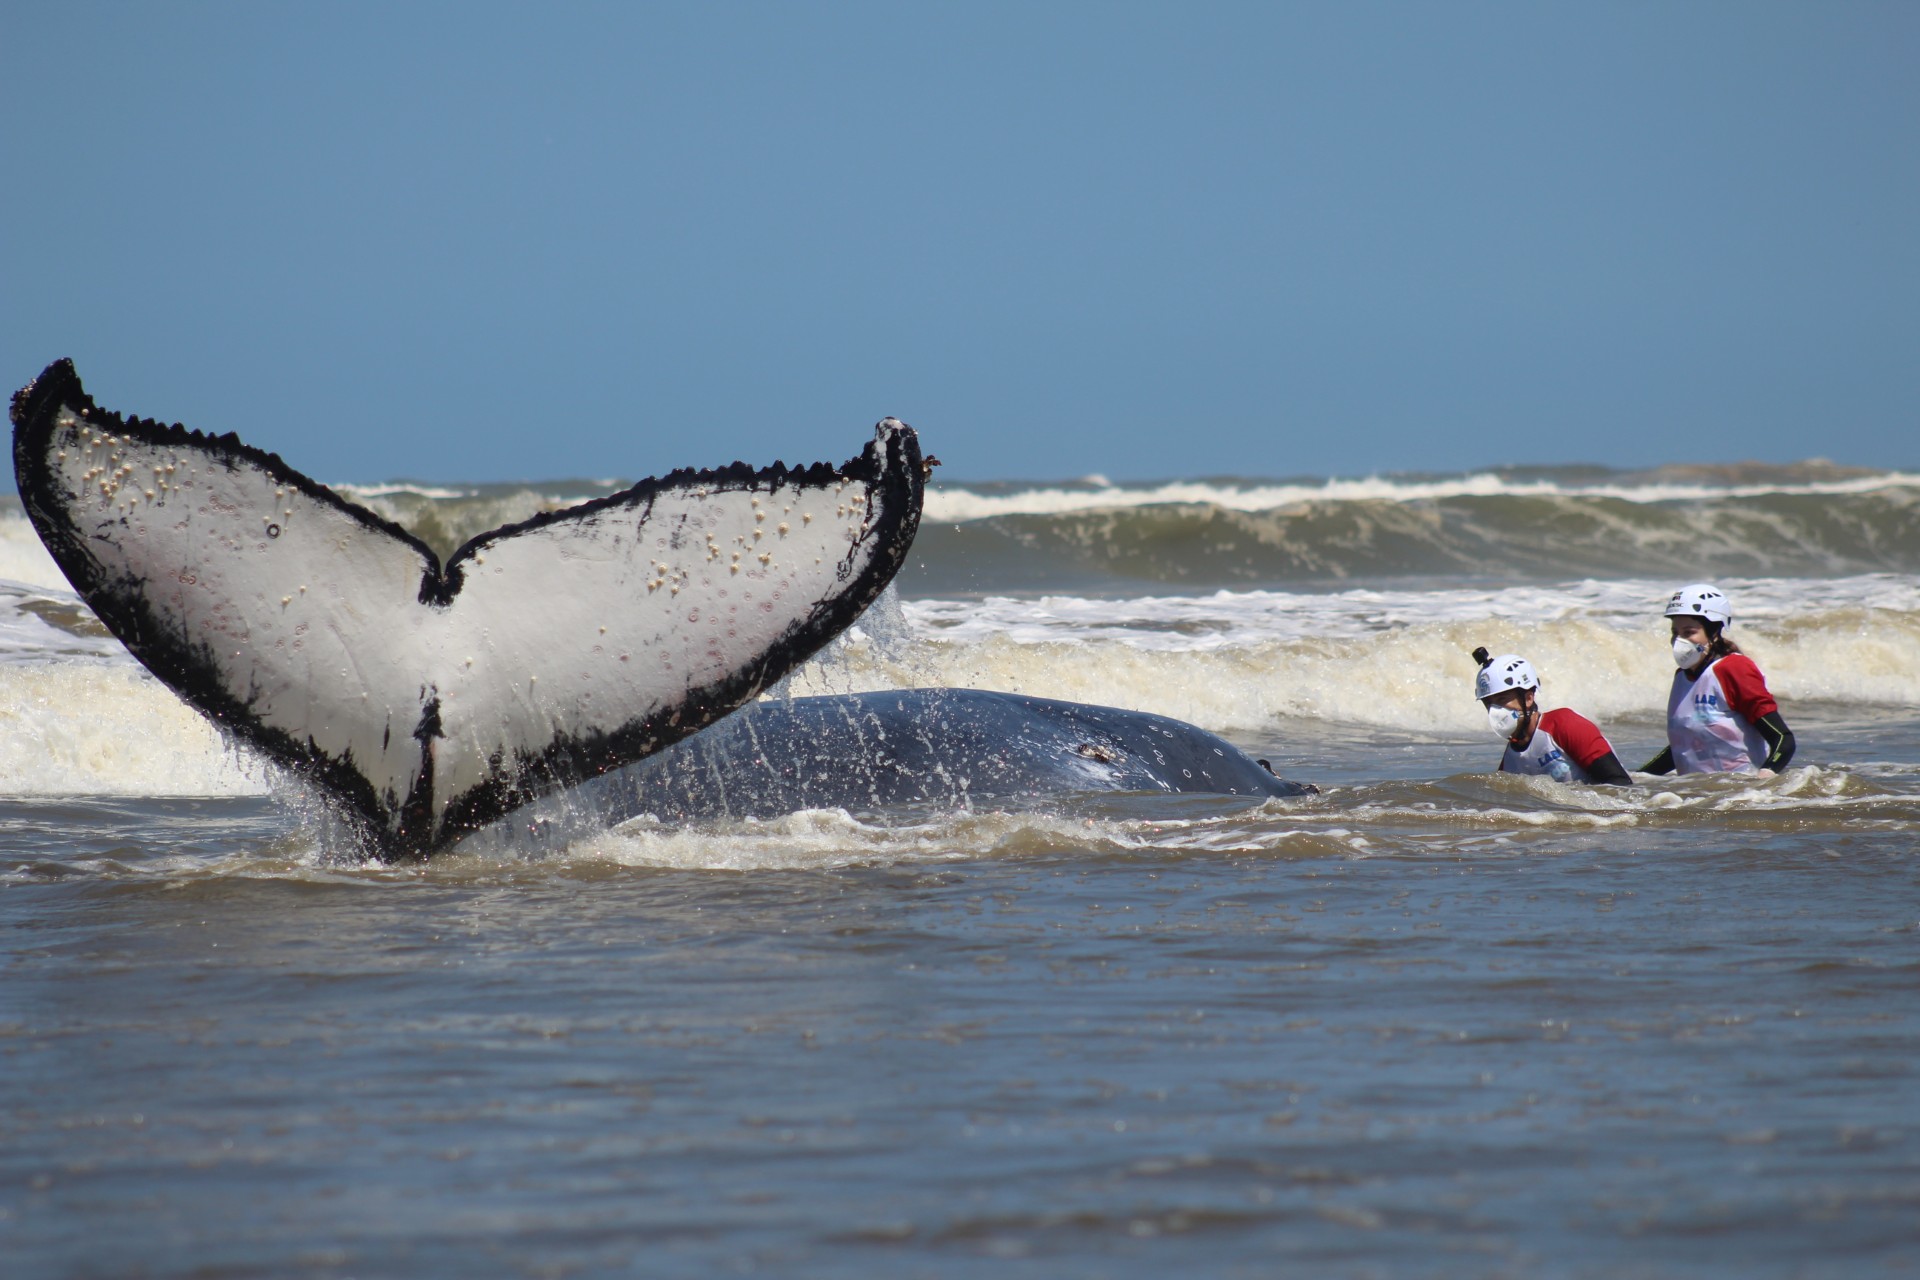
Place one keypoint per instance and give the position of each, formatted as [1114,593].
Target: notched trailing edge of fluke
[892,465]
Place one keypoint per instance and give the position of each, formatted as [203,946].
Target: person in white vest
[1561,744]
[1720,716]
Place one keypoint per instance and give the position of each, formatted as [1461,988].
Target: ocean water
[1431,1021]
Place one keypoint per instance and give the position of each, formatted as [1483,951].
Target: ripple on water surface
[1430,1021]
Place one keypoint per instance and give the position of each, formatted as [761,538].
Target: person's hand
[1765,773]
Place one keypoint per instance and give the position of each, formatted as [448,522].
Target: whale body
[950,748]
[431,699]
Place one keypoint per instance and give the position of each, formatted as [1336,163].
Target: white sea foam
[362,492]
[957,504]
[110,729]
[821,839]
[1231,661]
[24,559]
[38,625]
[1246,660]
[1228,619]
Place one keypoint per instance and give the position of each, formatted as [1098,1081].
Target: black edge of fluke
[403,827]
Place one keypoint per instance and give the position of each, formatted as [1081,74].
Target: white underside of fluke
[544,652]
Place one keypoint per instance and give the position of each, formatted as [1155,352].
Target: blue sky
[485,241]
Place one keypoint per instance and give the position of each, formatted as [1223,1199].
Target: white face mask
[1505,720]
[1686,653]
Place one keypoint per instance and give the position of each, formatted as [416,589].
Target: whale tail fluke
[431,698]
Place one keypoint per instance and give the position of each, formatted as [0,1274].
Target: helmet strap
[1529,716]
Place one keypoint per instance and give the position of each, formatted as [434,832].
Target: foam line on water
[957,503]
[1490,813]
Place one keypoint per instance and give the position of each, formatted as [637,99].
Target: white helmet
[1701,600]
[1497,675]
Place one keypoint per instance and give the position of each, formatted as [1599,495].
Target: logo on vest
[1558,767]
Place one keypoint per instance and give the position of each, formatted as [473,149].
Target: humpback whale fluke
[432,699]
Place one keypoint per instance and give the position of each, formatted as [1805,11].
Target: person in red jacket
[1720,716]
[1561,744]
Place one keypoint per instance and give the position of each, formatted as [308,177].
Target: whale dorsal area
[433,699]
[947,748]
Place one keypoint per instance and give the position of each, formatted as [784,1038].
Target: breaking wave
[1811,518]
[1236,605]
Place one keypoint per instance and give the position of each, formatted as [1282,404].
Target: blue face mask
[1687,653]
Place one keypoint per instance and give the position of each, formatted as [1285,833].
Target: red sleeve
[1745,687]
[1576,735]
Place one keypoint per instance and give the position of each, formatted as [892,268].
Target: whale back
[950,748]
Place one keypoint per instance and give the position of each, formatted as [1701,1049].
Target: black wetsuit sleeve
[1607,770]
[1779,738]
[1662,763]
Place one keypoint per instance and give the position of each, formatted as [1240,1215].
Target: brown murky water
[1467,1025]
